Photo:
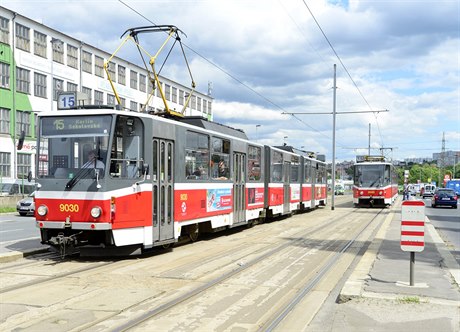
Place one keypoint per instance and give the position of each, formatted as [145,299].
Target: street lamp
[257,126]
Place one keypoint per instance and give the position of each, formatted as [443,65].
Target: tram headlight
[96,212]
[42,210]
[361,193]
[380,193]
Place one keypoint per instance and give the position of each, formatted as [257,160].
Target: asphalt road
[18,233]
[446,220]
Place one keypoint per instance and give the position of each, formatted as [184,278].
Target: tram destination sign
[91,125]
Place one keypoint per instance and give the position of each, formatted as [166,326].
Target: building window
[39,85]
[5,164]
[205,106]
[142,81]
[40,44]
[133,79]
[174,95]
[160,86]
[4,30]
[167,92]
[98,97]
[24,165]
[181,97]
[111,69]
[23,37]
[89,93]
[72,56]
[58,86]
[150,87]
[4,121]
[121,75]
[4,75]
[133,106]
[58,50]
[22,80]
[87,62]
[98,66]
[23,122]
[72,87]
[122,102]
[198,104]
[209,108]
[193,102]
[110,99]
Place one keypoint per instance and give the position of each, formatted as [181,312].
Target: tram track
[170,284]
[297,239]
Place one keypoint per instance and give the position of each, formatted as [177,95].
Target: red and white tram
[154,179]
[374,182]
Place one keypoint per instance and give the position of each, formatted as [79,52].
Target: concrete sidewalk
[377,295]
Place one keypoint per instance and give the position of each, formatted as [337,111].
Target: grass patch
[409,299]
[6,209]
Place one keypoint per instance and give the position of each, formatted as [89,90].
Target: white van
[428,190]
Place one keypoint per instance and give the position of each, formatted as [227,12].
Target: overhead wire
[227,73]
[269,101]
[344,67]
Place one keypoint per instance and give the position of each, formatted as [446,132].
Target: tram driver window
[127,149]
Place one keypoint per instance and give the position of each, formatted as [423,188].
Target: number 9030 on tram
[119,182]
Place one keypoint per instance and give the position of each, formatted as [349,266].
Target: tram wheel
[193,232]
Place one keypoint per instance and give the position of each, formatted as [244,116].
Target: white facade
[36,62]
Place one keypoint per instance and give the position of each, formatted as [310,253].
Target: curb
[15,255]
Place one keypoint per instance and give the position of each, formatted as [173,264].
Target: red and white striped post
[412,230]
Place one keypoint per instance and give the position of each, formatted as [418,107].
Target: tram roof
[201,122]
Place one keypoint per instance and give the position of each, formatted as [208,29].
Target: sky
[270,65]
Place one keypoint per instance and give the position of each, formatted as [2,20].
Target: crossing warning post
[412,231]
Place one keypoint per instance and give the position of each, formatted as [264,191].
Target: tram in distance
[375,182]
[120,182]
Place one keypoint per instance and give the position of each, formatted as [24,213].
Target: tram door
[286,187]
[239,188]
[163,190]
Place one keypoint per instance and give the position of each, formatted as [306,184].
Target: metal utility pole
[333,135]
[369,146]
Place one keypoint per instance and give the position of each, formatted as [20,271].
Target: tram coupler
[65,244]
[371,202]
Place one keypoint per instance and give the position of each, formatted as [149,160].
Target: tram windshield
[371,175]
[70,144]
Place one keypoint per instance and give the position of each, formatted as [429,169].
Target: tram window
[126,153]
[294,173]
[254,163]
[295,167]
[220,160]
[277,167]
[197,156]
[307,171]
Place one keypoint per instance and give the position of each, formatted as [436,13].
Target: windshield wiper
[82,172]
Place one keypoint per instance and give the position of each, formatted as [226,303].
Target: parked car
[26,205]
[339,189]
[444,197]
[429,190]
